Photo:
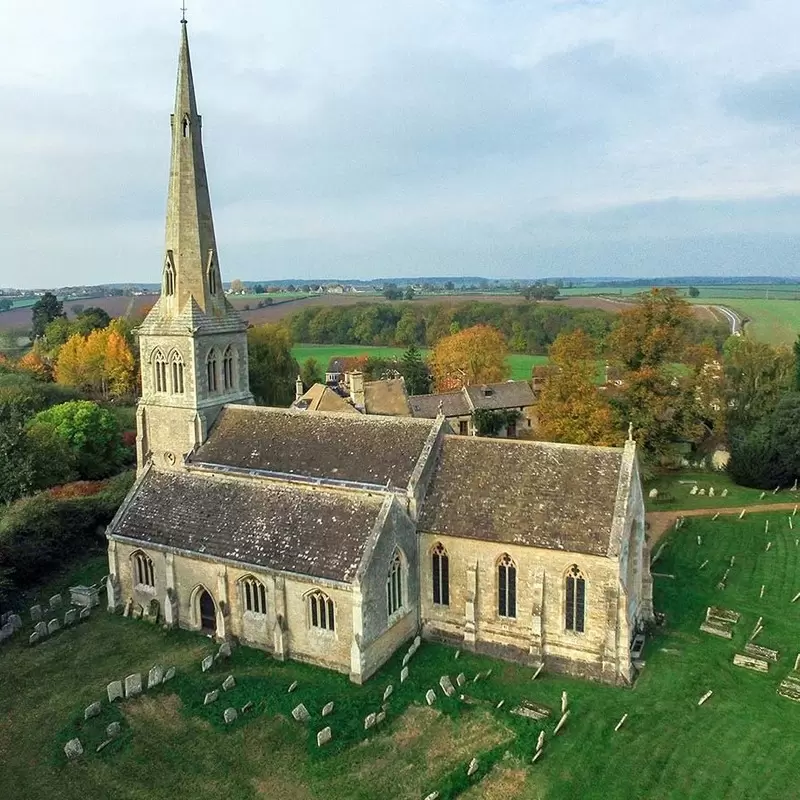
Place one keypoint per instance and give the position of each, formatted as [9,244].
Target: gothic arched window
[506,586]
[394,585]
[143,573]
[575,611]
[160,371]
[255,596]
[185,126]
[211,370]
[169,279]
[228,369]
[176,363]
[440,571]
[320,609]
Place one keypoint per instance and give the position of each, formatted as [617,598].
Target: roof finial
[183,13]
[630,431]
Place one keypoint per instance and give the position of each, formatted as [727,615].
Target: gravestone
[133,684]
[71,617]
[563,702]
[85,613]
[36,613]
[53,626]
[207,663]
[724,493]
[406,659]
[92,710]
[224,650]
[417,642]
[84,596]
[15,620]
[430,697]
[653,494]
[761,652]
[432,796]
[138,611]
[327,709]
[247,706]
[447,685]
[388,692]
[228,683]
[324,736]
[33,638]
[155,676]
[300,713]
[461,679]
[6,632]
[749,662]
[230,715]
[380,717]
[369,721]
[114,691]
[56,602]
[561,722]
[113,730]
[211,697]
[404,675]
[73,749]
[126,612]
[540,741]
[473,767]
[41,629]
[292,687]
[169,674]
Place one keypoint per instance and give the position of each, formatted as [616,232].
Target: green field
[773,321]
[519,364]
[674,487]
[740,744]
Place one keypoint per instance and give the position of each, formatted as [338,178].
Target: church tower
[193,344]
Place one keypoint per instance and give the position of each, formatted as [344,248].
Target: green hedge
[39,534]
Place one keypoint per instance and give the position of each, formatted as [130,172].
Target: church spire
[191,271]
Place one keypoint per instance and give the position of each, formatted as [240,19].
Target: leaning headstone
[561,722]
[406,659]
[540,741]
[300,713]
[85,613]
[369,721]
[36,613]
[388,692]
[126,612]
[6,632]
[327,709]
[71,617]
[563,702]
[228,683]
[324,736]
[56,601]
[224,650]
[114,690]
[417,642]
[207,663]
[155,676]
[430,697]
[113,730]
[380,717]
[92,710]
[15,620]
[169,674]
[211,697]
[230,715]
[538,671]
[73,748]
[473,767]
[404,675]
[33,638]
[705,697]
[41,629]
[292,687]
[621,722]
[53,626]
[461,679]
[432,796]
[247,706]
[133,684]
[447,685]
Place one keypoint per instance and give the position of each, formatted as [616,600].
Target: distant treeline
[528,327]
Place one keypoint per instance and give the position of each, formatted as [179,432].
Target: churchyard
[740,742]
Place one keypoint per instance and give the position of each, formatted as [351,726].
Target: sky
[350,139]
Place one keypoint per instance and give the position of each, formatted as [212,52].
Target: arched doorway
[208,613]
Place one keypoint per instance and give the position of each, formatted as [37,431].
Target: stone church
[332,538]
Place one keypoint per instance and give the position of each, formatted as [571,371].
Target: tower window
[213,285]
[440,570]
[575,600]
[506,587]
[211,369]
[228,369]
[169,279]
[177,373]
[185,126]
[160,371]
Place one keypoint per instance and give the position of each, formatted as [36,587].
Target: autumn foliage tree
[473,355]
[571,407]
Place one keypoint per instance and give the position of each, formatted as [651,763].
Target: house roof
[386,397]
[347,447]
[320,397]
[454,404]
[509,394]
[294,528]
[539,494]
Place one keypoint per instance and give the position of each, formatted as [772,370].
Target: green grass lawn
[775,321]
[674,487]
[740,744]
[519,364]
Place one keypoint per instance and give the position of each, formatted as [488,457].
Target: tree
[786,438]
[91,319]
[258,288]
[119,365]
[273,369]
[91,432]
[489,422]
[237,287]
[474,355]
[409,330]
[311,372]
[409,295]
[796,349]
[570,407]
[17,473]
[391,292]
[6,303]
[415,372]
[45,310]
[33,364]
[693,291]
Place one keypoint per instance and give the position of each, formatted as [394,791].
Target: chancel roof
[287,527]
[539,494]
[347,447]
